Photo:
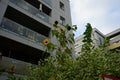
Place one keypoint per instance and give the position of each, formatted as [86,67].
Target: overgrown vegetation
[89,66]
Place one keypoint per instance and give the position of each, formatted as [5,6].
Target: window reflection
[22,31]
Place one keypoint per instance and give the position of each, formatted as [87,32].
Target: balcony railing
[22,31]
[20,66]
[115,39]
[48,2]
[31,9]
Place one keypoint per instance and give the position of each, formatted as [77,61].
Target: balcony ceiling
[26,21]
[20,51]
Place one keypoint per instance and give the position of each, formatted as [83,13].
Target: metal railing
[31,9]
[22,31]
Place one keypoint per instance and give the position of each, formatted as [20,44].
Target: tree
[87,38]
[99,61]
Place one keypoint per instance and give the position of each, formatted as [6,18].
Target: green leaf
[51,46]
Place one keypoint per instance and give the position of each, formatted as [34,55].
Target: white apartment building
[97,38]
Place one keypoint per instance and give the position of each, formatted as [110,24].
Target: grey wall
[57,12]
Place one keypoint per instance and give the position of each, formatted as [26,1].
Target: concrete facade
[114,39]
[24,24]
[97,38]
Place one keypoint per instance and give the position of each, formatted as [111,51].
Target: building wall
[57,11]
[78,44]
[25,40]
[97,37]
[3,7]
[114,39]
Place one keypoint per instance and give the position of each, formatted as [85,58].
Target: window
[62,20]
[62,6]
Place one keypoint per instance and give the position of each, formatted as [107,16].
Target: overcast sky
[101,14]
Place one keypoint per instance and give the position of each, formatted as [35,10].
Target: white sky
[101,14]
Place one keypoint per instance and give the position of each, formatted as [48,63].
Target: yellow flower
[60,29]
[12,68]
[45,41]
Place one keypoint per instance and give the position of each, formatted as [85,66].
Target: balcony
[115,39]
[6,63]
[21,31]
[49,2]
[31,9]
[115,45]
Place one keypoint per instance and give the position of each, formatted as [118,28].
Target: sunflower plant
[54,67]
[64,41]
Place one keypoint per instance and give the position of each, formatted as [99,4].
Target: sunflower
[60,29]
[45,41]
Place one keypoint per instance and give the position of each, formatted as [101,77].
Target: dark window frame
[62,20]
[62,6]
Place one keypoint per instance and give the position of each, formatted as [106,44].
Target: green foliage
[14,77]
[87,38]
[97,62]
[88,66]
